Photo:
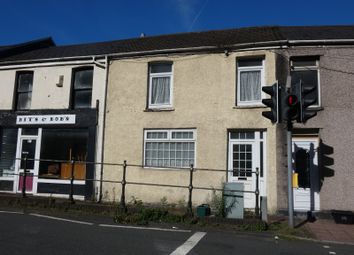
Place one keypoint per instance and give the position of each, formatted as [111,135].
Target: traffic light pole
[290,176]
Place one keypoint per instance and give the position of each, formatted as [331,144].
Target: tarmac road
[41,233]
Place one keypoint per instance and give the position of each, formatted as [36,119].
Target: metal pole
[71,196]
[24,178]
[101,183]
[190,188]
[290,177]
[290,170]
[257,192]
[122,205]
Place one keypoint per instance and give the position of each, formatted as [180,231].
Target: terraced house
[51,113]
[195,98]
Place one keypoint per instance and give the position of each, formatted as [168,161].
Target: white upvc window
[169,148]
[250,79]
[160,85]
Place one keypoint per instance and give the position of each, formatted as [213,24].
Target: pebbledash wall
[50,97]
[204,96]
[333,123]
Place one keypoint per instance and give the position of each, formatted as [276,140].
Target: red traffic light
[292,100]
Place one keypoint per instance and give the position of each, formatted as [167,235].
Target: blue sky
[80,21]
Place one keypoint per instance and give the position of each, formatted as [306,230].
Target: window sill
[59,181]
[167,109]
[164,168]
[248,106]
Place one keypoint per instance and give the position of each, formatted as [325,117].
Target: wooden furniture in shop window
[53,169]
[79,171]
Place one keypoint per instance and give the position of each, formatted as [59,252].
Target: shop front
[46,143]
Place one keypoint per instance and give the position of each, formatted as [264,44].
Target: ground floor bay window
[63,145]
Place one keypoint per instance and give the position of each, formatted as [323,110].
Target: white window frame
[248,69]
[160,75]
[311,68]
[73,91]
[170,139]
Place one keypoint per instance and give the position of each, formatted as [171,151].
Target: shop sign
[46,119]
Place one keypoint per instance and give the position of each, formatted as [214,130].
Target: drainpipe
[103,129]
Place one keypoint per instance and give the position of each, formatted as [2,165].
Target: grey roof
[318,32]
[16,49]
[220,39]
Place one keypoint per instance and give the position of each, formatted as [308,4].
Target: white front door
[305,168]
[245,158]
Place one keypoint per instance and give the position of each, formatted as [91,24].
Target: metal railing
[124,182]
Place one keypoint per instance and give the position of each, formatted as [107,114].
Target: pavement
[328,230]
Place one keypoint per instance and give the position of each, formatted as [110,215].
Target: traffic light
[305,102]
[289,106]
[272,102]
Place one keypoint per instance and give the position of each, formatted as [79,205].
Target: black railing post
[122,204]
[190,189]
[71,196]
[257,192]
[24,178]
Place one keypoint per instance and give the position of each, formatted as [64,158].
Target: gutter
[90,60]
[321,42]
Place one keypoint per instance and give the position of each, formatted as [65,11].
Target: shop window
[8,152]
[24,84]
[67,144]
[82,88]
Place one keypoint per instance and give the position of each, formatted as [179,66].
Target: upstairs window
[305,69]
[82,88]
[250,79]
[24,85]
[160,85]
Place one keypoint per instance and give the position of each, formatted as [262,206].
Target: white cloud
[189,11]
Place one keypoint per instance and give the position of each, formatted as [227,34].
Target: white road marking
[189,244]
[145,228]
[61,219]
[326,246]
[11,212]
[332,253]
